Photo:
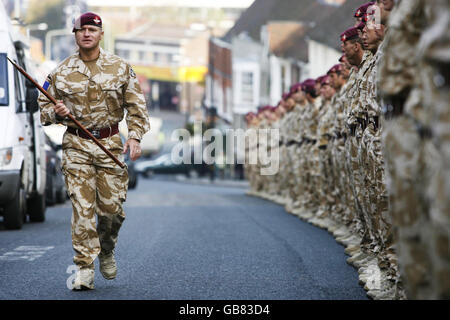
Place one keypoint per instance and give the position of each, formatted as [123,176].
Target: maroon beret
[309,86]
[88,18]
[325,80]
[265,108]
[295,87]
[335,68]
[360,12]
[286,95]
[319,79]
[349,34]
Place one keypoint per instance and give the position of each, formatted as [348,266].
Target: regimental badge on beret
[88,18]
[362,9]
[349,34]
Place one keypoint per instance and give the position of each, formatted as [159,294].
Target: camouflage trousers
[325,187]
[368,192]
[439,192]
[284,173]
[342,212]
[291,178]
[407,179]
[304,177]
[354,178]
[274,177]
[97,186]
[377,197]
[251,168]
[313,168]
[297,178]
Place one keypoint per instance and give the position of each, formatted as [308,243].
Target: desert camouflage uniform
[312,160]
[95,183]
[416,143]
[301,158]
[353,120]
[294,156]
[262,152]
[290,163]
[284,160]
[336,151]
[324,134]
[250,147]
[377,196]
[434,55]
[273,154]
[349,215]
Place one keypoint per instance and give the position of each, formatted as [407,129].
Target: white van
[22,141]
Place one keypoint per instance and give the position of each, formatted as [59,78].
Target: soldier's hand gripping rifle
[53,100]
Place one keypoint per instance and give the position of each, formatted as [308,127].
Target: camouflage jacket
[370,96]
[357,107]
[312,119]
[325,124]
[338,106]
[295,124]
[100,100]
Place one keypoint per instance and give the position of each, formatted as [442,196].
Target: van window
[4,92]
[19,92]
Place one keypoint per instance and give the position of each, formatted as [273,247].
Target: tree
[49,11]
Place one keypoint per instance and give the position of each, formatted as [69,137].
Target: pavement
[184,241]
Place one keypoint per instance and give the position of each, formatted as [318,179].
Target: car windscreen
[4,92]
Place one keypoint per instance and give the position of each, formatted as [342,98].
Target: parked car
[164,164]
[55,188]
[151,141]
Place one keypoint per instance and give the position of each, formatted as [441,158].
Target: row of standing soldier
[364,150]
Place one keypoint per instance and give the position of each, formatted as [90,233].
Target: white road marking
[29,253]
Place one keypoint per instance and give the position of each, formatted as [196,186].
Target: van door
[27,139]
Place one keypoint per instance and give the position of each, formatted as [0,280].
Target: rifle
[53,100]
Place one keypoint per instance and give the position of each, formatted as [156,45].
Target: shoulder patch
[47,83]
[132,74]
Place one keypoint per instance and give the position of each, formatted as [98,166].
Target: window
[125,54]
[156,57]
[247,87]
[19,91]
[4,92]
[142,55]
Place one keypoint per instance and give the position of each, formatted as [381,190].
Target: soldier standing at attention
[95,87]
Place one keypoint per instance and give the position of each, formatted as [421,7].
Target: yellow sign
[192,74]
[173,74]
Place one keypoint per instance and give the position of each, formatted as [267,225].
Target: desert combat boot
[108,267]
[84,279]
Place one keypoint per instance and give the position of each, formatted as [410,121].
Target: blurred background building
[200,57]
[199,62]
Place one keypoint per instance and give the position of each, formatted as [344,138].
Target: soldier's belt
[97,133]
[290,143]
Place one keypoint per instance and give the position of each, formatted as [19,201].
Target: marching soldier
[97,88]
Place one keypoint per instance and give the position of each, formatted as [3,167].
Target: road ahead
[183,241]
